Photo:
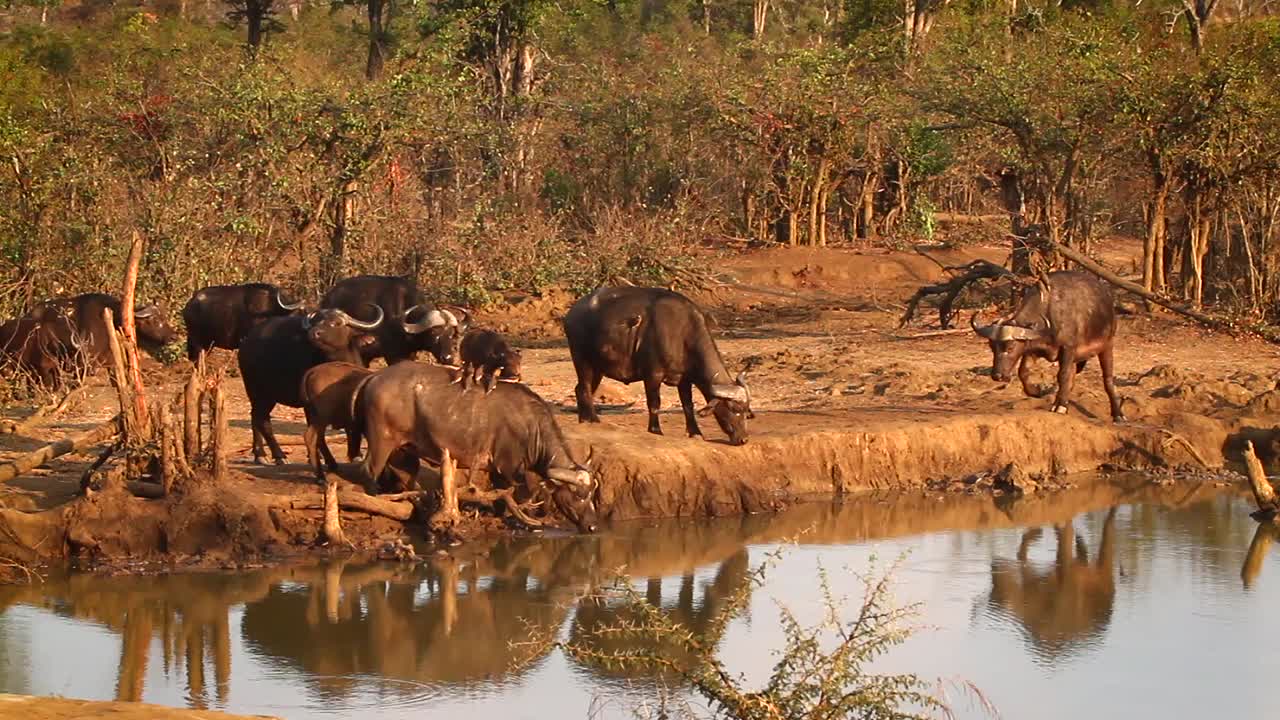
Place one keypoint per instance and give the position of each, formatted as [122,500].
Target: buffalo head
[338,335]
[574,492]
[731,406]
[1008,343]
[152,326]
[439,331]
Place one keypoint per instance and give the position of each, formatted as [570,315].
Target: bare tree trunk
[221,444]
[706,17]
[377,40]
[1153,247]
[1015,204]
[759,13]
[191,414]
[128,327]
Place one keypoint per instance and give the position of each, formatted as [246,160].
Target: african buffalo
[655,336]
[486,354]
[1066,318]
[84,313]
[39,348]
[510,431]
[221,315]
[328,397]
[417,324]
[278,352]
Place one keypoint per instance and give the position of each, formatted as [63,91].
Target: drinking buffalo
[655,336]
[486,354]
[276,353]
[510,431]
[39,348]
[1067,320]
[221,315]
[84,313]
[417,324]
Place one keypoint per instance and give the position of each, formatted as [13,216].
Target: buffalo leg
[353,444]
[588,382]
[1080,366]
[1106,360]
[262,426]
[1066,374]
[653,399]
[690,417]
[195,347]
[375,460]
[1024,376]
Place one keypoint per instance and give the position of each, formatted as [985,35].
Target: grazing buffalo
[221,315]
[416,324]
[486,354]
[1067,318]
[655,336]
[278,352]
[39,348]
[510,432]
[84,313]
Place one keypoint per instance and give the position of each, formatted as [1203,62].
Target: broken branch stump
[357,501]
[447,516]
[331,531]
[220,440]
[191,415]
[1263,493]
[13,468]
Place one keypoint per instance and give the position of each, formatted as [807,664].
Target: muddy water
[1118,601]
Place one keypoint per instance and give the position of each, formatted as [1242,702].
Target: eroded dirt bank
[845,403]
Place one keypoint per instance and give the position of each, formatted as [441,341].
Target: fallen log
[961,277]
[1263,493]
[13,468]
[357,501]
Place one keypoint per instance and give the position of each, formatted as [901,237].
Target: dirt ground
[844,400]
[43,708]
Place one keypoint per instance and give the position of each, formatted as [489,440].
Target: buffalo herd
[471,403]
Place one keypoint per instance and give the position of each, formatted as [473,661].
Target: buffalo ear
[706,410]
[750,415]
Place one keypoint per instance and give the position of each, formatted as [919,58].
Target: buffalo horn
[565,475]
[986,331]
[306,321]
[145,311]
[1016,332]
[360,324]
[434,319]
[741,381]
[280,301]
[731,392]
[450,318]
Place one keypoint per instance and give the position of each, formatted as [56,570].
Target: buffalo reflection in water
[1062,608]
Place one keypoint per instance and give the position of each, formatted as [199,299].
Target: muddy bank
[822,457]
[26,707]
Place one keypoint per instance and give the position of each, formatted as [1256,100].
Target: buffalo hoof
[259,460]
[279,461]
[1060,409]
[655,431]
[696,436]
[1119,418]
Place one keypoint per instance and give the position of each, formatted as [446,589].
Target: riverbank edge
[698,478]
[31,707]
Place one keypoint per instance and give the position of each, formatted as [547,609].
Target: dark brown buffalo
[221,315]
[509,432]
[84,313]
[657,337]
[278,352]
[39,348]
[1067,321]
[486,355]
[413,323]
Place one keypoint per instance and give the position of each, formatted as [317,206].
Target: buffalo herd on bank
[471,402]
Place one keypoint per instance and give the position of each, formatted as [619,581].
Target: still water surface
[1108,602]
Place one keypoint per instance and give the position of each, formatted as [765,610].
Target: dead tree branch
[13,468]
[962,276]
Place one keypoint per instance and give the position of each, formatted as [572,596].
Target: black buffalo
[276,354]
[413,323]
[657,337]
[39,348]
[221,315]
[487,355]
[84,313]
[1068,318]
[510,432]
